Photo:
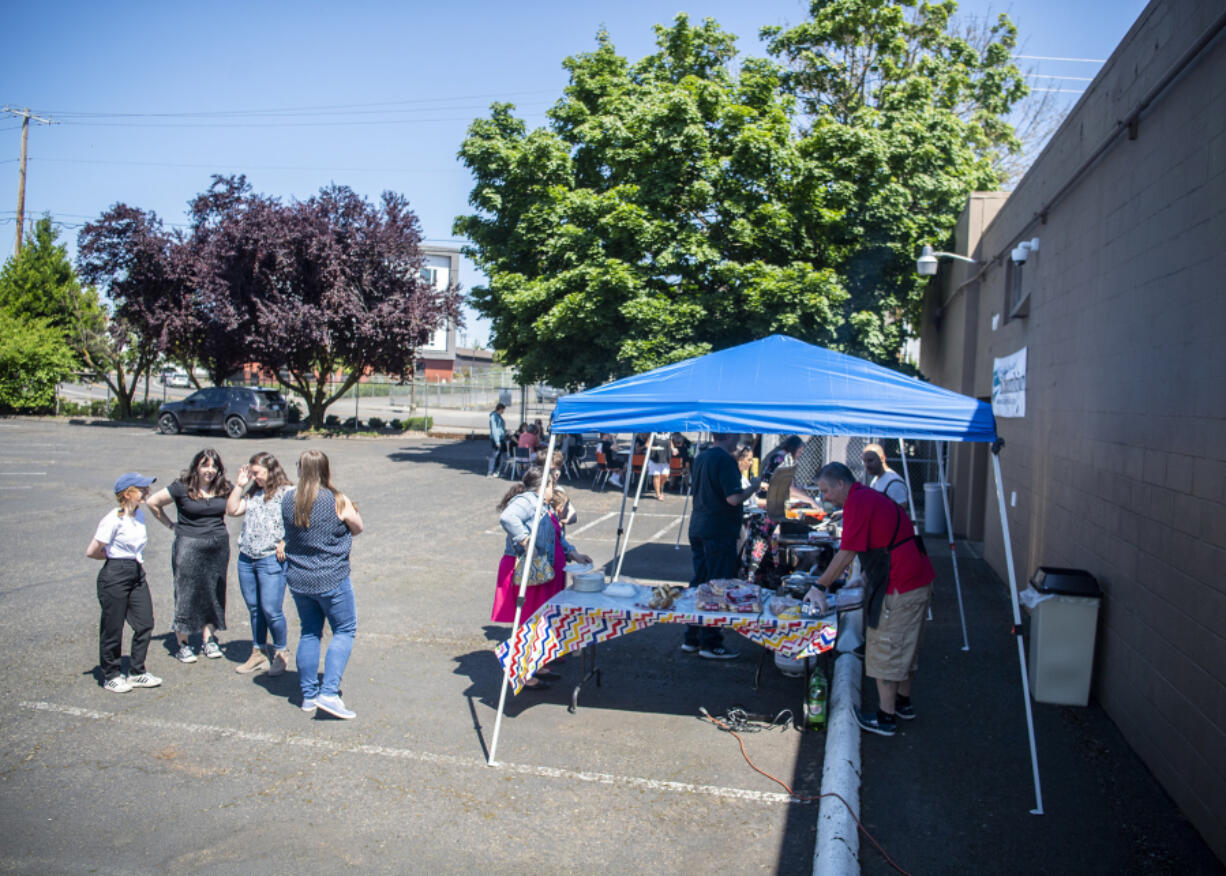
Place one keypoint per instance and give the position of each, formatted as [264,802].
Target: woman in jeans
[201,555]
[261,559]
[320,523]
[123,592]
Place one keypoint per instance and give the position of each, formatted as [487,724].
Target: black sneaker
[719,652]
[906,713]
[872,722]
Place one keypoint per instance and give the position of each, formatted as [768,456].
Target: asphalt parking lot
[223,772]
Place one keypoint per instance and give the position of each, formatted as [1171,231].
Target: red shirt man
[873,520]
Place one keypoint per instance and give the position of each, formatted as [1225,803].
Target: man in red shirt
[897,586]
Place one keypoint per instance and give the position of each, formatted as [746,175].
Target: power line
[1058,76]
[1070,60]
[218,164]
[25,115]
[1060,90]
[347,123]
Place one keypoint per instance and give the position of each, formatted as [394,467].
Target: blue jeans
[712,558]
[262,582]
[340,610]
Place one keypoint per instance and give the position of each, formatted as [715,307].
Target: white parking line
[585,527]
[23,474]
[666,528]
[448,760]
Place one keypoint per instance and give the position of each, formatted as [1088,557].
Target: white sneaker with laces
[145,679]
[118,684]
[185,654]
[333,705]
[212,650]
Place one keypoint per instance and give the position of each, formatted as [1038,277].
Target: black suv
[237,409]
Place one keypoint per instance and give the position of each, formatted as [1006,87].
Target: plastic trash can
[934,508]
[1063,624]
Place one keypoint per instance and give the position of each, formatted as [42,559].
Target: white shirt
[890,483]
[124,537]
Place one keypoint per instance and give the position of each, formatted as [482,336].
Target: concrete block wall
[1120,462]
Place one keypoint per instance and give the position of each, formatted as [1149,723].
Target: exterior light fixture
[926,264]
[1022,251]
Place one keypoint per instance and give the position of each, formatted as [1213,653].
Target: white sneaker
[185,654]
[145,679]
[334,706]
[118,684]
[212,650]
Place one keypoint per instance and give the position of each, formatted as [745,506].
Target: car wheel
[236,427]
[168,424]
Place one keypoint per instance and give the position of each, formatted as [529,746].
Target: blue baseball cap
[132,479]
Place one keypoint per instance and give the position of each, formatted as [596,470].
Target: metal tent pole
[953,554]
[621,515]
[684,508]
[519,601]
[906,474]
[1017,627]
[638,493]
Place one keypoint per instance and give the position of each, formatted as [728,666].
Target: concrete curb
[837,852]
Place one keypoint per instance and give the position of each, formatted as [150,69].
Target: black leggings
[123,595]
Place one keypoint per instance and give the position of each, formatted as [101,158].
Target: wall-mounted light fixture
[1022,251]
[926,264]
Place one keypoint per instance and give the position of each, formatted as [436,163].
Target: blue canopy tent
[781,385]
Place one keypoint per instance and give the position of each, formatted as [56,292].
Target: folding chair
[522,457]
[601,480]
[678,473]
[636,464]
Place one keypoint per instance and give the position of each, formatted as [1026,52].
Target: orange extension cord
[741,742]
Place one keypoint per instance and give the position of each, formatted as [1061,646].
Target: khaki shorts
[891,651]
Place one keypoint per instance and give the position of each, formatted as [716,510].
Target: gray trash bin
[1063,624]
[934,508]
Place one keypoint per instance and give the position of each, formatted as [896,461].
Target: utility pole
[25,115]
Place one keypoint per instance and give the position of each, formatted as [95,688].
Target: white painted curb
[837,852]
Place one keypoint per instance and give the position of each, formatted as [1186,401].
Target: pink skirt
[535,596]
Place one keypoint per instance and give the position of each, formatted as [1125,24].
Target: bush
[33,359]
[140,410]
[397,426]
[294,414]
[332,421]
[375,423]
[418,424]
[352,424]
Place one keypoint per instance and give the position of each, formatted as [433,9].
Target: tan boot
[280,662]
[255,663]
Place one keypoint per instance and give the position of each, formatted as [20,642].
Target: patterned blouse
[262,525]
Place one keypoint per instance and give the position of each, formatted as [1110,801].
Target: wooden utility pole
[25,115]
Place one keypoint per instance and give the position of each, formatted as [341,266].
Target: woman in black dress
[201,554]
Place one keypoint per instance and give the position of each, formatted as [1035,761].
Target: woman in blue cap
[123,592]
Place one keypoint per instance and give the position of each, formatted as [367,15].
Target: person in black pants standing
[123,592]
[714,528]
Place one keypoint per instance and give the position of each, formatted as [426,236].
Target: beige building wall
[1119,465]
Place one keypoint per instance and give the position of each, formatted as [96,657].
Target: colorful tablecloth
[572,620]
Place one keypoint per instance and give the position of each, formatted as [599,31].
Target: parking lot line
[588,526]
[448,760]
[23,474]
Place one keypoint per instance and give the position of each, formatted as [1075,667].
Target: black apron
[875,567]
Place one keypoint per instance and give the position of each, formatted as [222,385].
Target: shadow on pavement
[460,455]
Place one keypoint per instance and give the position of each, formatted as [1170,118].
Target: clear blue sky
[371,95]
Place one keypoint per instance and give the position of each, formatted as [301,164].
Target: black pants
[712,558]
[123,594]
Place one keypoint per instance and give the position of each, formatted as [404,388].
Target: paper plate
[621,590]
[572,568]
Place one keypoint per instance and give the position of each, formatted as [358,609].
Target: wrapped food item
[662,598]
[785,607]
[728,596]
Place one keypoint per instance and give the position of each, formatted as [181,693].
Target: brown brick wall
[1120,463]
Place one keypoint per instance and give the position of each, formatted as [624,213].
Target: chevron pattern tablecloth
[571,620]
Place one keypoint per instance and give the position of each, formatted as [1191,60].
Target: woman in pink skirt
[518,507]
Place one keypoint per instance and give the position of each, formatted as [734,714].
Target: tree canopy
[693,200]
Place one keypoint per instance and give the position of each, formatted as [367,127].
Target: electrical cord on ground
[728,728]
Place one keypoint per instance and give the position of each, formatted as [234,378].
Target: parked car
[545,392]
[237,409]
[175,378]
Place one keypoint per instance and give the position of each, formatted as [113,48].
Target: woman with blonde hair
[201,554]
[123,592]
[261,559]
[320,523]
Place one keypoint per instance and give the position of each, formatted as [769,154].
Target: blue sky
[371,95]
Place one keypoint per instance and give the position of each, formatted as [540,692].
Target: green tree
[908,118]
[33,359]
[664,212]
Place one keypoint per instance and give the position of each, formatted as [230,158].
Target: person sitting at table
[530,438]
[883,478]
[613,460]
[656,459]
[517,510]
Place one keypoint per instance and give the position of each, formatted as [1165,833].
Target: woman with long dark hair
[518,510]
[320,523]
[201,554]
[261,559]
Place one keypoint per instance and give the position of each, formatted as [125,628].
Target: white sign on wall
[1009,385]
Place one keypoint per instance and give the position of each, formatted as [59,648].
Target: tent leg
[1017,626]
[684,508]
[519,607]
[953,554]
[638,494]
[621,516]
[906,474]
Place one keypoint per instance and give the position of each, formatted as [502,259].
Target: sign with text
[1009,385]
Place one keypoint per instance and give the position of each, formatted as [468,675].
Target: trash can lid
[1069,582]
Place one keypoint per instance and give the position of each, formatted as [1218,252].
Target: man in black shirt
[714,528]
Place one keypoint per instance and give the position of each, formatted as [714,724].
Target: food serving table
[572,620]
